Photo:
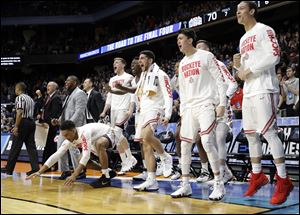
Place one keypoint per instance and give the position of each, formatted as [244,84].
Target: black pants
[290,111]
[26,134]
[90,121]
[51,146]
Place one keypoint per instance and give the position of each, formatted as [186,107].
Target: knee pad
[275,143]
[186,152]
[254,144]
[208,142]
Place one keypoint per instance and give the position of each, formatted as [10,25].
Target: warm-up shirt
[260,52]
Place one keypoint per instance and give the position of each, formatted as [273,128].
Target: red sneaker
[256,182]
[283,188]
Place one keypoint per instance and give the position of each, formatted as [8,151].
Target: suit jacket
[52,108]
[95,104]
[74,107]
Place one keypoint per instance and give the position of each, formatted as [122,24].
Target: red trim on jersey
[210,128]
[150,121]
[249,131]
[186,139]
[125,120]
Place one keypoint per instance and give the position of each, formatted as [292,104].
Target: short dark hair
[205,42]
[149,54]
[22,86]
[136,58]
[67,125]
[121,59]
[252,5]
[74,78]
[189,33]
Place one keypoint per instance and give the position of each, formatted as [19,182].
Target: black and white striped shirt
[25,103]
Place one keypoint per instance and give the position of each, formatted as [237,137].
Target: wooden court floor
[49,195]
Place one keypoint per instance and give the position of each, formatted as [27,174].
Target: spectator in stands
[291,91]
[281,107]
[38,103]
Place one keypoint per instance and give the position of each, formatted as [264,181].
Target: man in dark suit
[51,110]
[95,102]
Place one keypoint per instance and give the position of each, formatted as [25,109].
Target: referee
[23,131]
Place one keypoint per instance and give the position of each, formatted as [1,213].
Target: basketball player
[121,110]
[259,53]
[223,123]
[136,71]
[199,79]
[156,100]
[91,137]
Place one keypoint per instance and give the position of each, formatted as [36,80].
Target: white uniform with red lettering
[119,103]
[198,76]
[230,86]
[260,52]
[155,96]
[87,137]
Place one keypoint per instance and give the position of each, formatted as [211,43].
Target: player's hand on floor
[70,180]
[33,175]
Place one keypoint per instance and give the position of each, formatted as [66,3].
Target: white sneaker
[148,185]
[159,169]
[141,177]
[218,191]
[228,176]
[123,169]
[131,162]
[167,166]
[176,176]
[183,191]
[204,176]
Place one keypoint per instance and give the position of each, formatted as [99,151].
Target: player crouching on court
[91,137]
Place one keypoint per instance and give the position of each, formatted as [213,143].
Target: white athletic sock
[222,169]
[185,180]
[151,175]
[163,156]
[144,164]
[105,172]
[256,168]
[218,177]
[123,157]
[281,171]
[128,153]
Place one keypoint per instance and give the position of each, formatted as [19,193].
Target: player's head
[135,66]
[68,130]
[176,67]
[20,88]
[146,59]
[203,45]
[119,65]
[186,40]
[246,10]
[88,84]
